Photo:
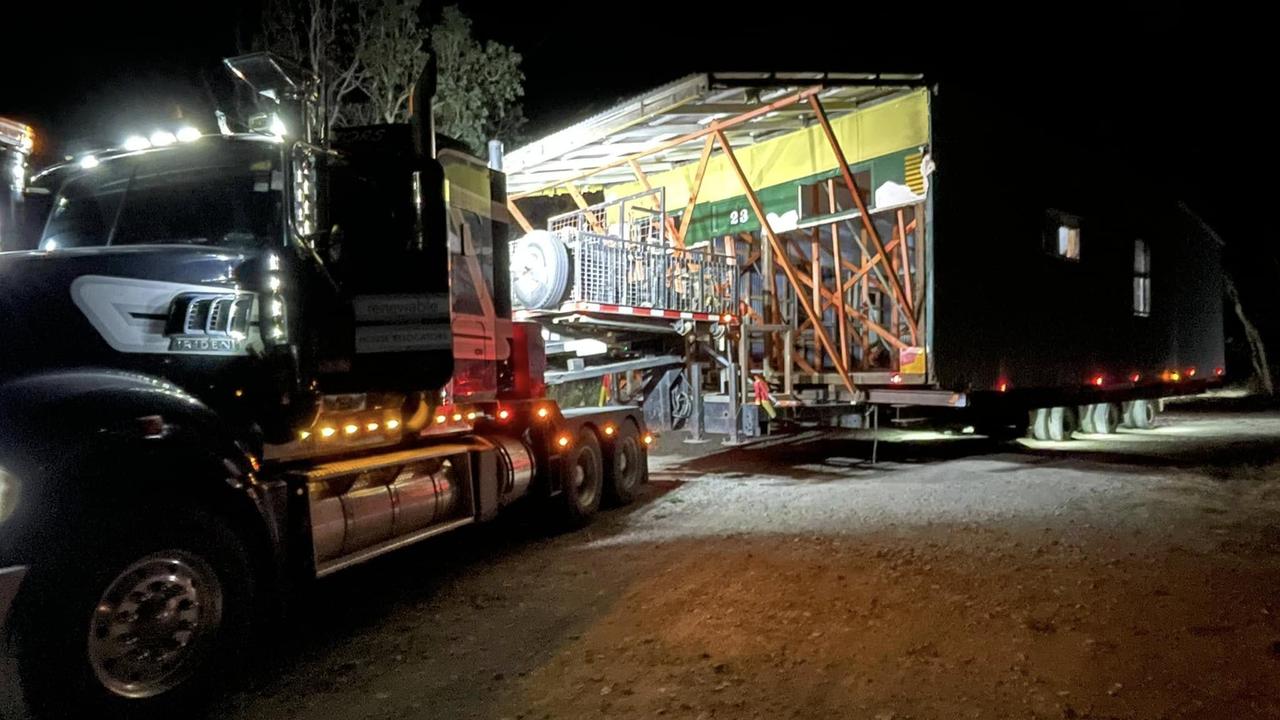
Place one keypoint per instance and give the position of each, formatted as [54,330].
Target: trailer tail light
[471,415]
[896,379]
[504,414]
[1219,372]
[726,319]
[1191,372]
[609,430]
[1003,386]
[1135,377]
[563,441]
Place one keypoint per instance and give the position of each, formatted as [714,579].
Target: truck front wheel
[136,624]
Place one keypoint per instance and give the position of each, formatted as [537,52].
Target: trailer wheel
[1086,415]
[1061,423]
[625,466]
[1040,423]
[1140,414]
[138,623]
[1105,418]
[583,479]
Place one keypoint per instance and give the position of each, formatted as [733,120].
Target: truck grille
[210,315]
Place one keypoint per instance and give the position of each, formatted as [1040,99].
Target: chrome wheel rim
[154,623]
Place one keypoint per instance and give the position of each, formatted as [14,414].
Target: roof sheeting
[681,108]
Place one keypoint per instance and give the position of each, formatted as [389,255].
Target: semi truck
[234,363]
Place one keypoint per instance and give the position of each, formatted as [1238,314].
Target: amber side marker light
[441,418]
[393,424]
[371,427]
[327,432]
[1003,386]
[504,414]
[563,441]
[543,412]
[351,429]
[609,430]
[648,438]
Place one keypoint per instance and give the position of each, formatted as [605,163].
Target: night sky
[1179,89]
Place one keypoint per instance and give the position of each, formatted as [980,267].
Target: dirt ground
[1135,576]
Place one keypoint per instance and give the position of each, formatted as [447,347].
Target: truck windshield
[215,192]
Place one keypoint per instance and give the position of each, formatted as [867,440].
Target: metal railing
[648,275]
[623,256]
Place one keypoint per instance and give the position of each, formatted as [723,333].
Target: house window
[1062,235]
[1068,245]
[1141,279]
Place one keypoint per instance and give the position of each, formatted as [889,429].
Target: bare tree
[326,37]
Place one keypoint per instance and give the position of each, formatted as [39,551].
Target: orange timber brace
[784,260]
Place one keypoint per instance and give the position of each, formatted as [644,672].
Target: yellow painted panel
[878,130]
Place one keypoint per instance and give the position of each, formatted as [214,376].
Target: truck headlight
[8,494]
